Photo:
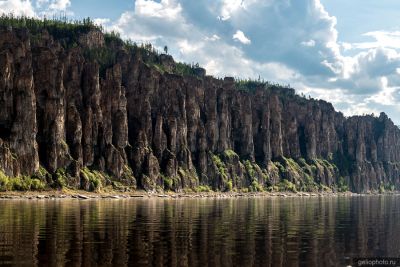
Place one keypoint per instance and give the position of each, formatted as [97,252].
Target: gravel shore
[83,195]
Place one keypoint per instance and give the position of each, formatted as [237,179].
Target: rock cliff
[79,119]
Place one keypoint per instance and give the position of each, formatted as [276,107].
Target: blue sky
[345,52]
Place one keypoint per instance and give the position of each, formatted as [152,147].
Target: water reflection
[198,232]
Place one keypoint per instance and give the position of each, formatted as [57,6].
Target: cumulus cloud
[152,21]
[381,39]
[367,69]
[166,9]
[229,7]
[17,7]
[239,36]
[51,7]
[287,41]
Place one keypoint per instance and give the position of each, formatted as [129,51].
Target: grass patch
[20,183]
[202,188]
[230,154]
[229,186]
[256,187]
[92,179]
[60,178]
[286,185]
[250,168]
[220,167]
[342,185]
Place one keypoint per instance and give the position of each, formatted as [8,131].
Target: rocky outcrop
[139,124]
[18,128]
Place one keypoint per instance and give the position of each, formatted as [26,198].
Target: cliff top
[104,47]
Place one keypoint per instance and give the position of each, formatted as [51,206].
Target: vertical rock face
[18,127]
[141,126]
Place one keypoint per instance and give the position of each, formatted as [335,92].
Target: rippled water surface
[325,231]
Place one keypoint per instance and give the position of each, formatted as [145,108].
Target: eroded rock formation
[141,125]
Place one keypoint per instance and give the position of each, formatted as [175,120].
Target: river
[253,231]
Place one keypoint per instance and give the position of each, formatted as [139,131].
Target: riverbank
[82,195]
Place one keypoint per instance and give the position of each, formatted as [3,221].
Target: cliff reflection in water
[199,232]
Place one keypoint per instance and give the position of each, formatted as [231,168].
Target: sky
[345,52]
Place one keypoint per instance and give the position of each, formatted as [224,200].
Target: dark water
[199,232]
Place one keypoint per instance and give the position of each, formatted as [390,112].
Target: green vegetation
[20,183]
[147,183]
[67,32]
[230,154]
[220,166]
[202,188]
[286,185]
[280,167]
[256,187]
[299,174]
[127,175]
[252,85]
[249,168]
[381,189]
[229,186]
[186,69]
[294,175]
[342,185]
[389,187]
[60,178]
[117,185]
[222,172]
[168,183]
[306,175]
[171,183]
[94,179]
[325,188]
[42,174]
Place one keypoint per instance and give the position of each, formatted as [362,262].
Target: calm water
[199,232]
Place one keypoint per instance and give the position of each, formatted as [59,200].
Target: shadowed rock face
[143,127]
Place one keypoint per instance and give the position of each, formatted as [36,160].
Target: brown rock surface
[63,110]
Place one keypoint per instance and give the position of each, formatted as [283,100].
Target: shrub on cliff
[286,185]
[20,183]
[342,185]
[64,30]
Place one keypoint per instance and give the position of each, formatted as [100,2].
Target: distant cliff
[82,109]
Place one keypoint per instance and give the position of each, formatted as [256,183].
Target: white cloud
[186,48]
[166,9]
[381,39]
[40,3]
[292,41]
[101,21]
[367,70]
[59,5]
[229,7]
[386,96]
[17,7]
[213,38]
[309,43]
[151,21]
[346,46]
[239,36]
